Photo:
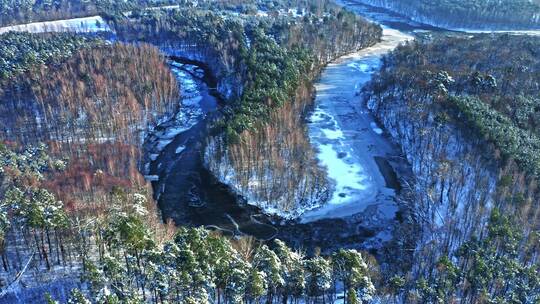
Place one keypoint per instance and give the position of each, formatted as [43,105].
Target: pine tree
[292,270]
[349,267]
[266,261]
[318,276]
[49,299]
[351,297]
[256,285]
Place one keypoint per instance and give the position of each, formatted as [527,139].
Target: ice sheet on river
[347,138]
[189,114]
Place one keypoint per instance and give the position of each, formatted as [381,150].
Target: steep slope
[465,112]
[70,103]
[281,142]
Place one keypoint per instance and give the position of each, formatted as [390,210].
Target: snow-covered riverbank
[388,12]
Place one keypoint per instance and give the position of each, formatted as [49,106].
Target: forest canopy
[269,57]
[19,52]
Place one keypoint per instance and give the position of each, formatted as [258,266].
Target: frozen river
[349,142]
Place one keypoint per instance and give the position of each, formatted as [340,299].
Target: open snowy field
[91,24]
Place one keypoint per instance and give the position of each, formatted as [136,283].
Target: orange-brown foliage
[109,92]
[92,110]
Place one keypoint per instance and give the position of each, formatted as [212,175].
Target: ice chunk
[376,128]
[180,149]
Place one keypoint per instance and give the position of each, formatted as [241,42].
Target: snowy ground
[346,136]
[91,24]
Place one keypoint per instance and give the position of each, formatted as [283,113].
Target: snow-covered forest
[257,151]
[475,102]
[92,102]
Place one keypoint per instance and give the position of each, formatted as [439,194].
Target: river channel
[364,167]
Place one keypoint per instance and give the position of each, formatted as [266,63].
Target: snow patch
[151,178]
[163,143]
[333,134]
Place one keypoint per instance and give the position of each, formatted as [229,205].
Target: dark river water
[186,192]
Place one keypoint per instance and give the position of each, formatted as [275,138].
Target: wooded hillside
[466,112]
[98,94]
[125,255]
[21,52]
[92,108]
